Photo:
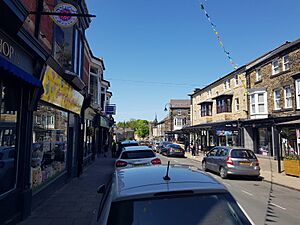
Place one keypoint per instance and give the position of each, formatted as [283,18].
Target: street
[265,203]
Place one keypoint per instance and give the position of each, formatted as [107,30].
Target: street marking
[248,193]
[278,206]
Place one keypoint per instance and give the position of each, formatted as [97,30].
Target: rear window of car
[242,154]
[210,209]
[137,154]
[173,146]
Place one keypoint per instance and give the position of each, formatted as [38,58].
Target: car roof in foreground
[143,182]
[136,148]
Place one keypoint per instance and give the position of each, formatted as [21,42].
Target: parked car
[148,195]
[137,156]
[144,143]
[124,144]
[173,150]
[162,145]
[155,145]
[231,161]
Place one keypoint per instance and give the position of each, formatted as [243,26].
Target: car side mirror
[101,189]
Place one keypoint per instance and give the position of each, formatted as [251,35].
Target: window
[275,67]
[287,97]
[236,79]
[179,112]
[298,93]
[277,99]
[137,154]
[237,104]
[224,104]
[286,63]
[49,148]
[206,109]
[9,104]
[179,121]
[227,84]
[209,92]
[258,103]
[258,74]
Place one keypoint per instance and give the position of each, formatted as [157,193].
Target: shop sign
[58,92]
[110,109]
[15,54]
[224,133]
[104,122]
[65,20]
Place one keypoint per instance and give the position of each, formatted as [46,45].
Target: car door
[210,164]
[220,159]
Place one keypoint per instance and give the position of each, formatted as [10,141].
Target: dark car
[124,144]
[146,195]
[231,161]
[173,150]
[161,147]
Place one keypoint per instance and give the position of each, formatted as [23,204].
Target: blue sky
[157,50]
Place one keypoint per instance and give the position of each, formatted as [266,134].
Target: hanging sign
[65,20]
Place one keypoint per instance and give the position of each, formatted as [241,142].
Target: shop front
[56,127]
[18,92]
[89,138]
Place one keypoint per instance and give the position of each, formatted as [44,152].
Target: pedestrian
[193,150]
[186,145]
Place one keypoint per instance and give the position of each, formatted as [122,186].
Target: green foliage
[140,127]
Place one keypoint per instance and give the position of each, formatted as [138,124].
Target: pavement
[268,171]
[75,203]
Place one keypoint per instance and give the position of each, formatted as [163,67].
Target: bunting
[233,64]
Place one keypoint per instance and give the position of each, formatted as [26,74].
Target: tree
[140,127]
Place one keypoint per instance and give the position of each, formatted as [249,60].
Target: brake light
[121,163]
[155,161]
[229,161]
[257,163]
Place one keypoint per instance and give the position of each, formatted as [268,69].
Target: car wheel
[223,173]
[204,168]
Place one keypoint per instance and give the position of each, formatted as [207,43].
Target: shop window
[88,138]
[49,149]
[287,97]
[263,141]
[9,104]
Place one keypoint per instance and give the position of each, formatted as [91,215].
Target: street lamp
[166,107]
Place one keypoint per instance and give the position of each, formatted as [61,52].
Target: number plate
[245,163]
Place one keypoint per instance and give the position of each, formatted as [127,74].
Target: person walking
[193,150]
[114,149]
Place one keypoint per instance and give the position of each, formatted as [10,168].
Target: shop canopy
[18,72]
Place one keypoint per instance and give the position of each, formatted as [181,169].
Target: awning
[292,122]
[19,73]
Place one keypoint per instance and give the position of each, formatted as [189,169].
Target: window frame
[206,109]
[236,80]
[256,103]
[273,67]
[223,106]
[237,104]
[286,63]
[258,74]
[297,94]
[275,98]
[288,97]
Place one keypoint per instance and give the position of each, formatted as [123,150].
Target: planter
[292,167]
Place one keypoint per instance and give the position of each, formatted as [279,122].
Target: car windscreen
[242,154]
[209,209]
[138,154]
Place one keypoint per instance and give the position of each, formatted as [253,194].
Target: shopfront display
[50,142]
[9,109]
[263,141]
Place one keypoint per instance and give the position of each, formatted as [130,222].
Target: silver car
[137,156]
[231,161]
[181,196]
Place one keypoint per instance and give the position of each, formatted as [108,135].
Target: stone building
[273,82]
[217,110]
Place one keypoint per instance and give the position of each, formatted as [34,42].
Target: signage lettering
[6,49]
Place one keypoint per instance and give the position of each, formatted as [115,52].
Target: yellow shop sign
[58,92]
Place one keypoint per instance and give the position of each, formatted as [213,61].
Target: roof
[132,183]
[180,103]
[272,53]
[136,148]
[240,70]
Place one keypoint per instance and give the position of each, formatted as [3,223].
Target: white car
[137,156]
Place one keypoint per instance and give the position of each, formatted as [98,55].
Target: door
[220,158]
[210,159]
